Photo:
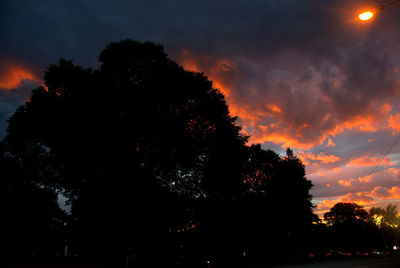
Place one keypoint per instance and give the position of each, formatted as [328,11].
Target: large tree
[126,143]
[151,161]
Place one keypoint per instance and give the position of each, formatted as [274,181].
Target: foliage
[278,208]
[351,227]
[385,217]
[32,222]
[153,164]
[343,213]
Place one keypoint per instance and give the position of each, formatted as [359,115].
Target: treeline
[348,227]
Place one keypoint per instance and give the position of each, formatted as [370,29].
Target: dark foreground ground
[360,262]
[375,262]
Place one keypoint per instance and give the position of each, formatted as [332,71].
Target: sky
[304,74]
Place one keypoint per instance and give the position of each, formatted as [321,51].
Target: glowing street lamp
[370,13]
[367,15]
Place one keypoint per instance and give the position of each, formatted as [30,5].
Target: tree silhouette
[388,221]
[154,165]
[346,213]
[129,144]
[386,217]
[278,207]
[350,227]
[32,222]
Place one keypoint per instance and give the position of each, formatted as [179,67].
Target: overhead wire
[378,164]
[374,168]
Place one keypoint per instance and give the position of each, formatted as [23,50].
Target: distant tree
[350,228]
[388,217]
[388,222]
[346,213]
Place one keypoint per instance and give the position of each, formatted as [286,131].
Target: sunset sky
[304,74]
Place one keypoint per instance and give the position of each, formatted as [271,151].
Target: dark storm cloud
[288,53]
[298,73]
[43,30]
[310,58]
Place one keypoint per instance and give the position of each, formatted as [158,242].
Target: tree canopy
[385,217]
[145,150]
[346,213]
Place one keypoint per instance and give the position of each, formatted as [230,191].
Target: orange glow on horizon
[14,75]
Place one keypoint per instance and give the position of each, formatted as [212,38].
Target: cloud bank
[303,74]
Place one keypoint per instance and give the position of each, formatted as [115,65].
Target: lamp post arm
[388,3]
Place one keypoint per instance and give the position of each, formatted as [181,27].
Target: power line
[374,169]
[379,163]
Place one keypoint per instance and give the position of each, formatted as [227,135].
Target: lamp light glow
[367,15]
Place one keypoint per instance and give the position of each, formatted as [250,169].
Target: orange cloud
[268,119]
[274,108]
[287,134]
[394,123]
[188,61]
[359,198]
[213,66]
[326,204]
[336,170]
[386,108]
[285,140]
[367,161]
[13,75]
[365,179]
[306,157]
[346,183]
[393,172]
[368,123]
[384,193]
[362,198]
[330,143]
